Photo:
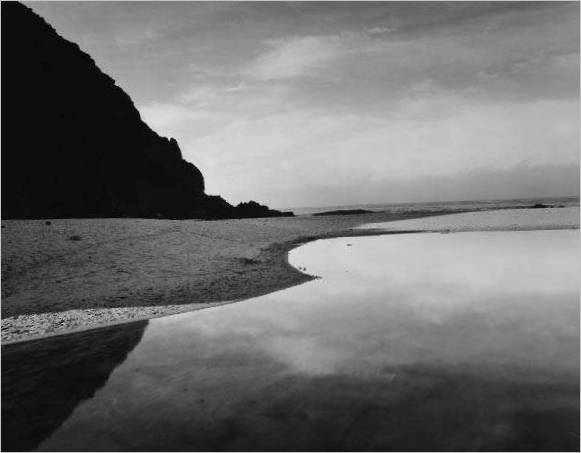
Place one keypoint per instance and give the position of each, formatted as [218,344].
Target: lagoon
[408,342]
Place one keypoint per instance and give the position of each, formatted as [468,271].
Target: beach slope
[76,274]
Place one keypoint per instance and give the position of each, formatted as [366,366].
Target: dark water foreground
[464,341]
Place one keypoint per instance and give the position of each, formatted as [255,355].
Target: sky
[331,103]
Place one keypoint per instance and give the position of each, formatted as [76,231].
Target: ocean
[440,205]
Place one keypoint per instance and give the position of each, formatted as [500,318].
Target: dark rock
[541,206]
[73,143]
[253,209]
[344,212]
[48,222]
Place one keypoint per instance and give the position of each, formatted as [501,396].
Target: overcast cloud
[329,103]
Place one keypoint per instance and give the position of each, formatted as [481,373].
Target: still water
[465,341]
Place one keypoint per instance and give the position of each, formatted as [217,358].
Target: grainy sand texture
[78,273]
[499,220]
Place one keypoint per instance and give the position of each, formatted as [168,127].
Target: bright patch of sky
[297,104]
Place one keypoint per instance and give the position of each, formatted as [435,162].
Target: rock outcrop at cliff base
[74,145]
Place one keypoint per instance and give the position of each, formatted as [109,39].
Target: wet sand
[77,274]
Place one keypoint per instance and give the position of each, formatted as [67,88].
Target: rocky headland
[75,146]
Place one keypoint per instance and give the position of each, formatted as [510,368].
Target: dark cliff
[74,145]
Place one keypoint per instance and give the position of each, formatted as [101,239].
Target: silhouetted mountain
[74,145]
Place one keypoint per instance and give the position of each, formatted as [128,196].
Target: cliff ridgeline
[74,145]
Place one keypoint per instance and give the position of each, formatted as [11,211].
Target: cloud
[294,57]
[306,355]
[350,107]
[160,115]
[368,71]
[131,37]
[205,95]
[424,138]
[182,121]
[378,30]
[522,180]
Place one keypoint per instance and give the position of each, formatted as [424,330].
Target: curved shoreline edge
[269,272]
[276,261]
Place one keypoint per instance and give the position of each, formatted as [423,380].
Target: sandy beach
[80,273]
[77,274]
[495,220]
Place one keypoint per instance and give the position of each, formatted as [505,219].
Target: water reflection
[43,381]
[415,342]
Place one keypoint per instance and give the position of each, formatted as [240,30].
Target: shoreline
[262,273]
[280,252]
